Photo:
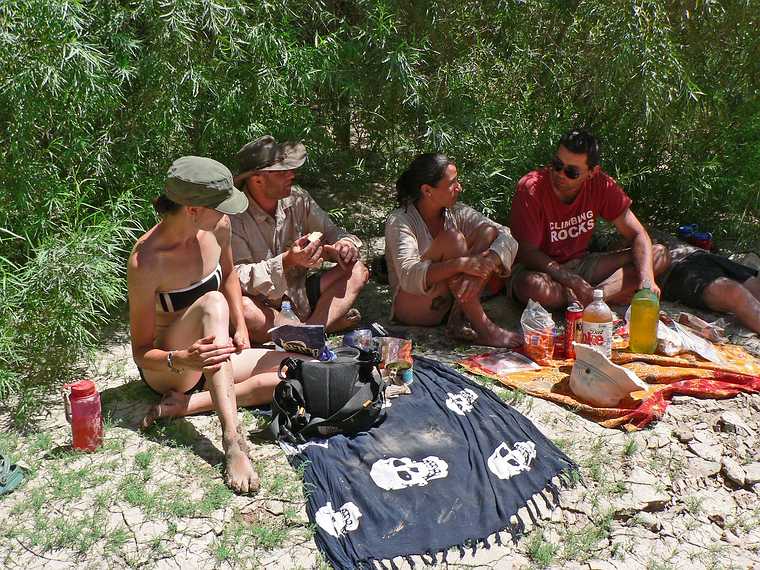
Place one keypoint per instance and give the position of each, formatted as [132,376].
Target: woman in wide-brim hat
[189,338]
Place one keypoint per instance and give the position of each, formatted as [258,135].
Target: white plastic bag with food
[538,332]
[673,339]
[714,332]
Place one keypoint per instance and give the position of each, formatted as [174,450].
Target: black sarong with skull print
[452,465]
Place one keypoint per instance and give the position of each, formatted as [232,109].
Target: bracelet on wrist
[170,363]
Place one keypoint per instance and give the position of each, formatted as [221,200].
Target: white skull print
[505,462]
[337,523]
[461,403]
[401,472]
[293,450]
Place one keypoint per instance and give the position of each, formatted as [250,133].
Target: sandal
[11,476]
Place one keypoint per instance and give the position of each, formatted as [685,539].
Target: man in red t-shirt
[553,216]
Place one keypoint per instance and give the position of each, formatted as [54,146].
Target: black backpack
[315,398]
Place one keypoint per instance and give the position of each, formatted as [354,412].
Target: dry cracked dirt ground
[684,493]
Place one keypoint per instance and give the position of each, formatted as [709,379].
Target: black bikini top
[172,301]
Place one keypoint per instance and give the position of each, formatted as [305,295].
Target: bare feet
[172,404]
[458,327]
[241,477]
[493,335]
[347,322]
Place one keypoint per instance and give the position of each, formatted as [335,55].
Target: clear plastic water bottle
[287,316]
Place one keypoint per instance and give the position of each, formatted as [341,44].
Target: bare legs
[614,273]
[255,375]
[209,315]
[430,309]
[259,318]
[743,300]
[339,289]
[621,280]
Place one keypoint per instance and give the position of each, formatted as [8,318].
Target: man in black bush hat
[282,236]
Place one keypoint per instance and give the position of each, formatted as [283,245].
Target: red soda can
[573,317]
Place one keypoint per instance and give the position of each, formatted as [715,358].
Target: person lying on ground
[273,251]
[184,296]
[441,253]
[715,283]
[553,214]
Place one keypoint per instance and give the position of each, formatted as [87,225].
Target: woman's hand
[241,339]
[467,288]
[480,266]
[205,354]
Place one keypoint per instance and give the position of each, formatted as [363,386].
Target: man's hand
[343,253]
[652,285]
[303,253]
[580,288]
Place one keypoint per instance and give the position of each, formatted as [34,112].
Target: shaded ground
[684,493]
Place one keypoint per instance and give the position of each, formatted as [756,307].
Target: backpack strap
[288,398]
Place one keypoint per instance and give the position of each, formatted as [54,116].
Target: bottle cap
[598,294]
[82,389]
[285,305]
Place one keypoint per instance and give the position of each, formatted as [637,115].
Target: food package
[669,341]
[304,339]
[504,363]
[714,332]
[538,333]
[673,339]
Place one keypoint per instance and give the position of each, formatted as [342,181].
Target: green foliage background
[98,97]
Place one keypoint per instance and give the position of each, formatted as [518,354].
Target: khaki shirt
[259,242]
[407,238]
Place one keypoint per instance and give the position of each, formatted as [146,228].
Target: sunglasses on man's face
[572,172]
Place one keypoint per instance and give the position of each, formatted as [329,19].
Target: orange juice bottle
[596,325]
[645,314]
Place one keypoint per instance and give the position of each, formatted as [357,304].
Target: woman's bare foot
[502,339]
[241,477]
[493,335]
[458,327]
[172,404]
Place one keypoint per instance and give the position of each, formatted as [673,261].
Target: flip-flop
[11,476]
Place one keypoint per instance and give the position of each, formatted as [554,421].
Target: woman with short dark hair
[441,253]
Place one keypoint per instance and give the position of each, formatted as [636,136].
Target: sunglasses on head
[572,172]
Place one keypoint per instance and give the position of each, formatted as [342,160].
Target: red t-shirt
[563,231]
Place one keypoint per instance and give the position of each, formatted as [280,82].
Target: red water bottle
[82,405]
